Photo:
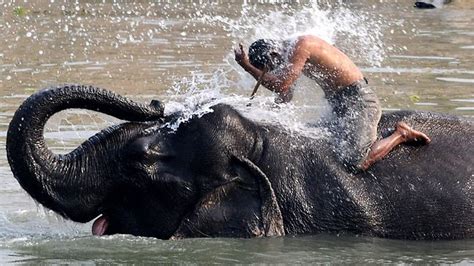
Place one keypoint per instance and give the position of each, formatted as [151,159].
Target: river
[181,52]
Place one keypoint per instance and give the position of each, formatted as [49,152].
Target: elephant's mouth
[99,227]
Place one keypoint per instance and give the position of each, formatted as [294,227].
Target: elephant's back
[425,191]
[449,155]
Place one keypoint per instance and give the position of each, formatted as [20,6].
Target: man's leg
[403,133]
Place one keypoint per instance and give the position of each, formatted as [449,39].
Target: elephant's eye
[157,154]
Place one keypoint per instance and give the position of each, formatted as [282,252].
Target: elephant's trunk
[73,184]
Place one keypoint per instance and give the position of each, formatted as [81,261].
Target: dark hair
[260,53]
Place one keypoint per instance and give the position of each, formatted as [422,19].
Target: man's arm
[280,84]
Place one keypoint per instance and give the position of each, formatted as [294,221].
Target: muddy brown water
[169,50]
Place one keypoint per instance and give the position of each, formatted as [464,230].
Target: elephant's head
[141,178]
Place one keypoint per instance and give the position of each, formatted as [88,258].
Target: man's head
[265,54]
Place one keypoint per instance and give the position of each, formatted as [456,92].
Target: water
[181,53]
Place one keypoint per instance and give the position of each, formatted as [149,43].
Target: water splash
[357,33]
[195,96]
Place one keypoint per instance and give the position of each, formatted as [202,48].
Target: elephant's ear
[271,214]
[245,206]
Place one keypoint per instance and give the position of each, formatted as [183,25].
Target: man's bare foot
[409,134]
[403,133]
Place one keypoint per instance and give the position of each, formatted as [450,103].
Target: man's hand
[240,56]
[284,97]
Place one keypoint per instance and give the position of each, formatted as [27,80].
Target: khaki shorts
[357,113]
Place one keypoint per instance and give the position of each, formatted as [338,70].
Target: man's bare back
[356,107]
[326,64]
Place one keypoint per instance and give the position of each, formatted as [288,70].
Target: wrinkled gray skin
[224,175]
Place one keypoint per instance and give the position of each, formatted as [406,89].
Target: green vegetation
[414,98]
[20,11]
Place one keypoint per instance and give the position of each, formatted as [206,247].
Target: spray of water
[355,32]
[358,33]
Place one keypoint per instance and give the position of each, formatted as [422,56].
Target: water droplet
[28,34]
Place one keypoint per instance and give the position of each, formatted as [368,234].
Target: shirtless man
[277,65]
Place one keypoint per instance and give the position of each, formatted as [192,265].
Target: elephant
[223,175]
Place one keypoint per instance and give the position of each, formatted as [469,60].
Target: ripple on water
[286,250]
[416,70]
[77,63]
[18,70]
[426,57]
[458,80]
[463,100]
[94,68]
[464,108]
[70,135]
[426,104]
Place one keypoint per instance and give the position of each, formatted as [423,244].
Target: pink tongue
[100,225]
